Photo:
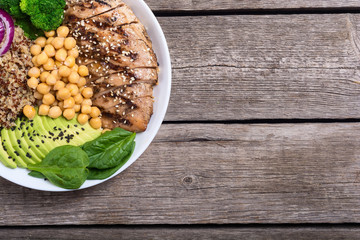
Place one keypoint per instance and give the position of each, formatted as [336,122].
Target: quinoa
[14,92]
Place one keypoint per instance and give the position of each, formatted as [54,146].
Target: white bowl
[143,140]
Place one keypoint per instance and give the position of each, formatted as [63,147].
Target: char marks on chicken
[123,67]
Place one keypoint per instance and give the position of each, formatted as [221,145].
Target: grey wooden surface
[262,128]
[184,233]
[190,5]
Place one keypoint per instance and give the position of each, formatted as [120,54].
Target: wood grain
[184,233]
[171,5]
[264,67]
[221,174]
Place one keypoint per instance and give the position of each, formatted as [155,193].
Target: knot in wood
[187,180]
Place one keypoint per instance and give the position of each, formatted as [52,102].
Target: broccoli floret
[30,30]
[12,7]
[44,14]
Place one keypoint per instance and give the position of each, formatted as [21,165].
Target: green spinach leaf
[100,174]
[64,166]
[36,174]
[110,149]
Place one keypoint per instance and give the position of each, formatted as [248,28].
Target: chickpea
[86,102]
[69,102]
[83,118]
[41,41]
[70,43]
[55,112]
[64,71]
[63,94]
[49,40]
[83,71]
[74,77]
[75,68]
[34,61]
[61,55]
[49,65]
[95,112]
[44,109]
[56,103]
[69,61]
[58,64]
[50,33]
[56,74]
[82,82]
[29,111]
[78,98]
[73,52]
[61,106]
[32,82]
[43,88]
[43,76]
[48,99]
[51,80]
[95,123]
[69,113]
[87,92]
[59,85]
[38,95]
[42,58]
[34,72]
[86,109]
[63,31]
[77,108]
[49,50]
[58,42]
[35,49]
[73,88]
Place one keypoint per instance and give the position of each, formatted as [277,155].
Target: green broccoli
[44,14]
[12,7]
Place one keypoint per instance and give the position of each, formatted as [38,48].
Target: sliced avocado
[24,136]
[19,146]
[75,133]
[29,139]
[42,135]
[7,160]
[10,150]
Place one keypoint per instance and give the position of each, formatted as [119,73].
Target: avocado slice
[42,136]
[7,160]
[19,146]
[10,150]
[24,136]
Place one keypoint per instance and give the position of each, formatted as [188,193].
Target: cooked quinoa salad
[14,92]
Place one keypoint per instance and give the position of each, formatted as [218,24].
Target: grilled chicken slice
[122,65]
[83,9]
[106,70]
[131,31]
[120,79]
[132,115]
[95,44]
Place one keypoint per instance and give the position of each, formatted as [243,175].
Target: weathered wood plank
[171,5]
[184,233]
[195,173]
[264,67]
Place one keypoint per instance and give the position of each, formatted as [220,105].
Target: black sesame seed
[68,126]
[28,155]
[42,141]
[18,141]
[83,129]
[17,154]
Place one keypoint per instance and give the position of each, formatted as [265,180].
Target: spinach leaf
[100,174]
[64,166]
[36,174]
[110,149]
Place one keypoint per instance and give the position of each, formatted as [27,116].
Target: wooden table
[261,138]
